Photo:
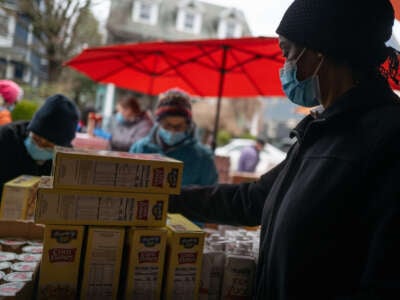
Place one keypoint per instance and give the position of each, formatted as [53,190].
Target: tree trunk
[54,69]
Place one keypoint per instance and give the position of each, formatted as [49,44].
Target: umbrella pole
[220,89]
[216,124]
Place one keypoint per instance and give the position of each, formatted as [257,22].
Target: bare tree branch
[58,24]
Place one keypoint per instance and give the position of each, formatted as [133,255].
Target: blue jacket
[199,166]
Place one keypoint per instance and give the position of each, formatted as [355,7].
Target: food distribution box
[59,270]
[31,233]
[117,171]
[18,198]
[61,206]
[184,258]
[145,263]
[102,262]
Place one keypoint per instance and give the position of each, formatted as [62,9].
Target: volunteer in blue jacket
[174,136]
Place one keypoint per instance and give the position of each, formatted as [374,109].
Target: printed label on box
[61,206]
[59,269]
[102,263]
[145,263]
[120,171]
[185,251]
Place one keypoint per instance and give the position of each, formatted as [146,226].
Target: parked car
[269,157]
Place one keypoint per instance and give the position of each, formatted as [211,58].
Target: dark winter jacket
[198,162]
[14,159]
[330,213]
[124,134]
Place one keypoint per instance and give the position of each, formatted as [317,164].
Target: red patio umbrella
[243,67]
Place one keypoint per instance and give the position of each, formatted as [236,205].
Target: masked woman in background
[130,124]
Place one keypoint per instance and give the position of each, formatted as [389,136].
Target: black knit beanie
[351,31]
[56,120]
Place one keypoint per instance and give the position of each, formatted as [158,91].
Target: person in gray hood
[130,124]
[330,212]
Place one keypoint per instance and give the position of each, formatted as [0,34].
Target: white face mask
[305,93]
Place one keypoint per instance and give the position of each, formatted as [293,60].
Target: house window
[229,28]
[4,25]
[189,21]
[145,11]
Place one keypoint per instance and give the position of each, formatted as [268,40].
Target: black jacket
[14,159]
[330,213]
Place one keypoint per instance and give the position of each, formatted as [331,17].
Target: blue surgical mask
[305,93]
[120,118]
[171,138]
[36,152]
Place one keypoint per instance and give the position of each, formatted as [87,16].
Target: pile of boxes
[229,263]
[107,233]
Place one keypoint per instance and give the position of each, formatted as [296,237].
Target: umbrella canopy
[243,67]
[248,66]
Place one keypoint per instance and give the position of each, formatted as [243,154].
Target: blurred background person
[89,115]
[250,156]
[174,136]
[10,94]
[83,121]
[27,146]
[130,124]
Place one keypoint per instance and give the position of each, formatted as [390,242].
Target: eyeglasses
[41,142]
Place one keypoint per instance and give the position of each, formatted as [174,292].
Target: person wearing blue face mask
[130,124]
[307,92]
[174,136]
[27,146]
[330,212]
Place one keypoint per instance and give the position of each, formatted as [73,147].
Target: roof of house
[121,24]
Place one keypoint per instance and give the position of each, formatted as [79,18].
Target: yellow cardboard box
[118,171]
[18,198]
[145,263]
[102,262]
[61,206]
[59,271]
[184,257]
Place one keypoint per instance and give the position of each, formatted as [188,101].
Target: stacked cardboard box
[106,235]
[18,198]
